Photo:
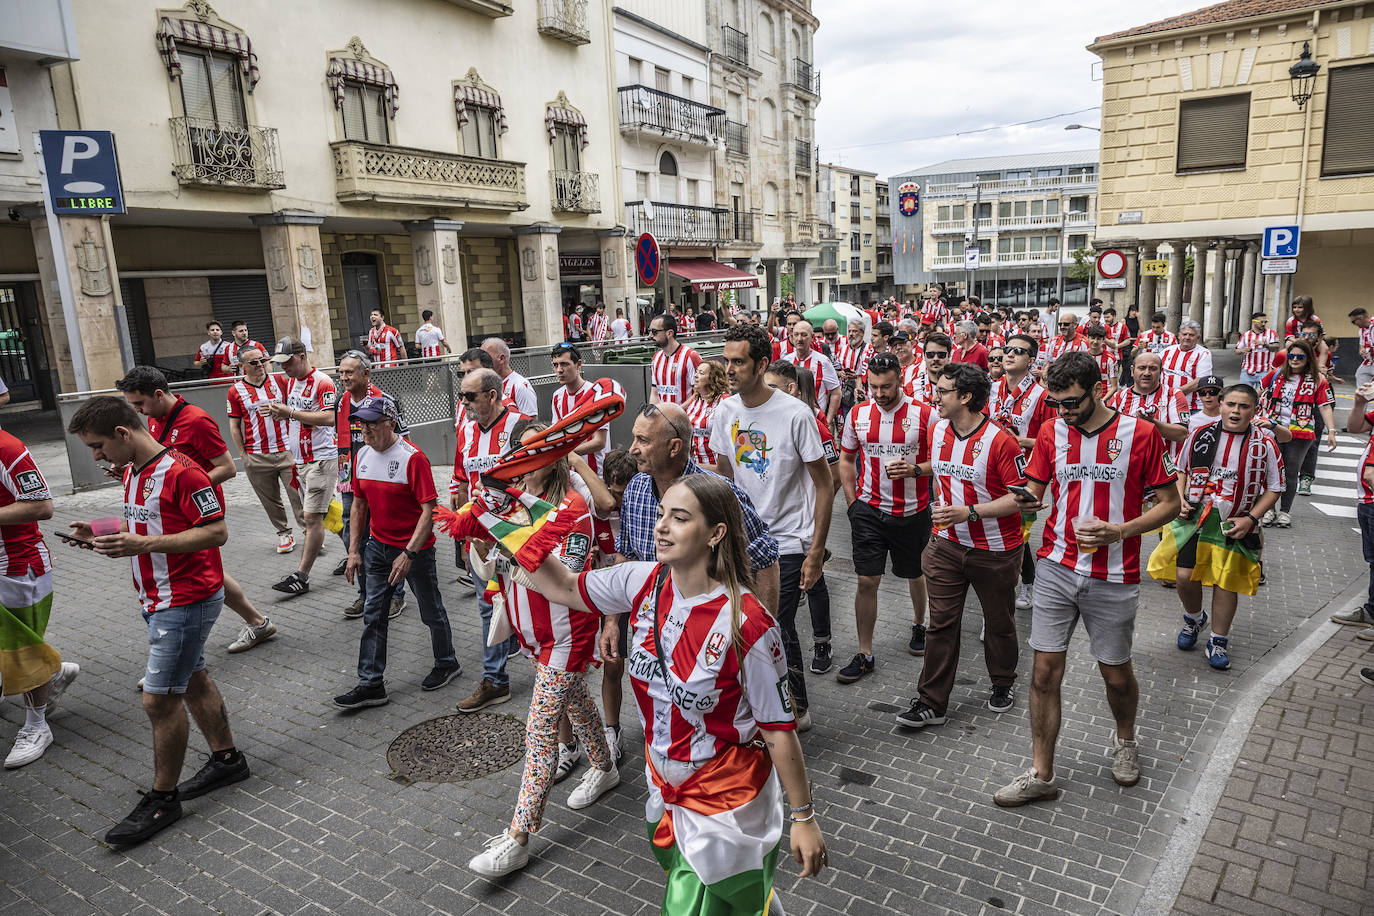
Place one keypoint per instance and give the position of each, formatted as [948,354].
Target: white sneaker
[29,745]
[503,856]
[982,631]
[613,741]
[1025,596]
[1283,520]
[1268,518]
[60,682]
[804,721]
[595,783]
[285,543]
[569,756]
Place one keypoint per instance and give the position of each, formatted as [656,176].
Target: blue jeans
[361,574]
[493,657]
[1365,513]
[424,583]
[176,643]
[789,596]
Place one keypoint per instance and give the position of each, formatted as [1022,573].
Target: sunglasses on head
[884,362]
[1066,403]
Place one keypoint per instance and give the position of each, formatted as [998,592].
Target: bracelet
[806,807]
[1252,518]
[810,818]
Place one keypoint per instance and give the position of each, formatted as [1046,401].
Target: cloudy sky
[900,70]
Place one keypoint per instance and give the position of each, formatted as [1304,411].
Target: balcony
[943,226]
[744,228]
[827,233]
[575,192]
[804,152]
[1035,221]
[804,77]
[233,157]
[734,45]
[884,268]
[1079,218]
[374,172]
[736,138]
[493,8]
[1043,183]
[645,109]
[681,224]
[1000,259]
[565,20]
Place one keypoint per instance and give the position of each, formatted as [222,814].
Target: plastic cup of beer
[103,526]
[936,503]
[1083,521]
[265,407]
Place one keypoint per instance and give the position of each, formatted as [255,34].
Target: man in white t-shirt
[620,327]
[514,386]
[769,443]
[429,338]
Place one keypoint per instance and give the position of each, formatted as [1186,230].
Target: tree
[1084,264]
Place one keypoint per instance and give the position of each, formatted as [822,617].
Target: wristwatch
[972,514]
[410,553]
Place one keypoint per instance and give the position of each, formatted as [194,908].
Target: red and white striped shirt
[875,437]
[851,358]
[1366,341]
[1059,346]
[782,348]
[168,495]
[1366,459]
[1163,404]
[1104,475]
[1107,363]
[673,375]
[1183,366]
[220,355]
[314,392]
[699,413]
[517,392]
[708,703]
[565,402]
[385,345]
[1260,359]
[1118,333]
[22,550]
[1224,486]
[596,327]
[1154,342]
[430,339]
[479,449]
[261,435]
[235,346]
[822,370]
[916,386]
[1021,410]
[976,469]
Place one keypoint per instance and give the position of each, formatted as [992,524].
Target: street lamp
[1082,127]
[971,237]
[1302,75]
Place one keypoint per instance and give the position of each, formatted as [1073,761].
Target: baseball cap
[1210,381]
[374,408]
[899,337]
[286,348]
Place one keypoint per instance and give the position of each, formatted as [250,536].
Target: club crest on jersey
[1113,449]
[392,467]
[173,437]
[501,440]
[715,647]
[906,424]
[148,485]
[976,450]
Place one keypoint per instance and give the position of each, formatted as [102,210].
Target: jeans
[789,594]
[424,583]
[493,657]
[1294,452]
[176,643]
[818,603]
[1309,464]
[1365,513]
[361,575]
[1027,565]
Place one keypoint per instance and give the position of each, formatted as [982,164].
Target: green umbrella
[840,312]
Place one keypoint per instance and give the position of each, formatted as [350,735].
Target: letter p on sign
[74,148]
[1280,242]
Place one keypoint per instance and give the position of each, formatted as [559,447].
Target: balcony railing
[681,224]
[575,192]
[1043,183]
[401,175]
[214,155]
[803,153]
[804,77]
[737,138]
[1078,218]
[565,20]
[734,45]
[827,233]
[642,108]
[999,259]
[744,227]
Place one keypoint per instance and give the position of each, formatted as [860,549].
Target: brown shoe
[486,694]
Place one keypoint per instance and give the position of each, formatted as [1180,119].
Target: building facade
[456,156]
[1204,145]
[856,202]
[1025,214]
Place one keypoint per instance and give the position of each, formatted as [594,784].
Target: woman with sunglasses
[1293,396]
[709,385]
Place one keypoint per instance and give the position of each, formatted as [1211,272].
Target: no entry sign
[1111,263]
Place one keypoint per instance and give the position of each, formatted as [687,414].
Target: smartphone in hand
[71,539]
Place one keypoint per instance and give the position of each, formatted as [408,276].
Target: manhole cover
[456,748]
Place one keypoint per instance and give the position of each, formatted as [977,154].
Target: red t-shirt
[21,546]
[194,433]
[168,495]
[394,484]
[976,354]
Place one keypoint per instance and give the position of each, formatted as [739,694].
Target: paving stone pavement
[323,828]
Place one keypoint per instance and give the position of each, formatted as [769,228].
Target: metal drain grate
[457,748]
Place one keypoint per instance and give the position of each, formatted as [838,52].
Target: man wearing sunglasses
[1067,340]
[261,441]
[674,366]
[1150,399]
[921,384]
[1095,465]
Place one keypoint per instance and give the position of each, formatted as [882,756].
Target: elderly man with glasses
[261,442]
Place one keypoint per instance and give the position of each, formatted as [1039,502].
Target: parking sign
[82,171]
[1280,242]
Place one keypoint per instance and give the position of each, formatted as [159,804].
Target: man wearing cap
[1209,397]
[393,501]
[309,405]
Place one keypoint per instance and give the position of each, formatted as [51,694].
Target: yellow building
[1205,144]
[297,164]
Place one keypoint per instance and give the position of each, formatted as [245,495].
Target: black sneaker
[917,646]
[215,774]
[343,565]
[361,696]
[824,658]
[292,585]
[919,716]
[858,666]
[1001,699]
[438,677]
[1367,675]
[149,816]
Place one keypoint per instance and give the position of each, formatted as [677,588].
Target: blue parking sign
[1280,242]
[82,171]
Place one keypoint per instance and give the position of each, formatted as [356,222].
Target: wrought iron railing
[575,192]
[565,20]
[734,45]
[680,224]
[205,152]
[805,77]
[643,107]
[803,154]
[737,138]
[744,227]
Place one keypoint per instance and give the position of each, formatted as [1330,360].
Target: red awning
[707,276]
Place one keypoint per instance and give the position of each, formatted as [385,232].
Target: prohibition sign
[1111,263]
[647,261]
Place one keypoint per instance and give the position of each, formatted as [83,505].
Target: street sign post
[1281,242]
[82,171]
[648,260]
[1111,263]
[1155,268]
[972,257]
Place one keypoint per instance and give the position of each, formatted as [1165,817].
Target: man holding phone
[174,527]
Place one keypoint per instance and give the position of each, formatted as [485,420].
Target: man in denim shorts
[1097,465]
[173,528]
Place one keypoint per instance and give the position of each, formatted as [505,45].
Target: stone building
[856,201]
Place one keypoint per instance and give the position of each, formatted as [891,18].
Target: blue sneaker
[1187,637]
[1217,656]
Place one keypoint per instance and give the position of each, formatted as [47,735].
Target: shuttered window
[244,298]
[1348,141]
[210,90]
[364,112]
[1213,133]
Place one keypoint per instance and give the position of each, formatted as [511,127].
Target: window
[868,266]
[364,112]
[1018,173]
[642,185]
[1004,246]
[770,119]
[770,199]
[868,186]
[1081,171]
[479,133]
[942,249]
[1049,173]
[1077,241]
[1051,243]
[766,33]
[567,148]
[983,211]
[868,239]
[854,241]
[688,87]
[942,214]
[1078,204]
[1348,147]
[667,178]
[868,212]
[691,192]
[636,66]
[1213,132]
[1052,207]
[1037,208]
[854,265]
[957,212]
[661,78]
[210,88]
[1036,244]
[1018,245]
[1018,208]
[1004,210]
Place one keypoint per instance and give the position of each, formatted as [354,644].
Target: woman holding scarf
[709,677]
[1293,395]
[1232,476]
